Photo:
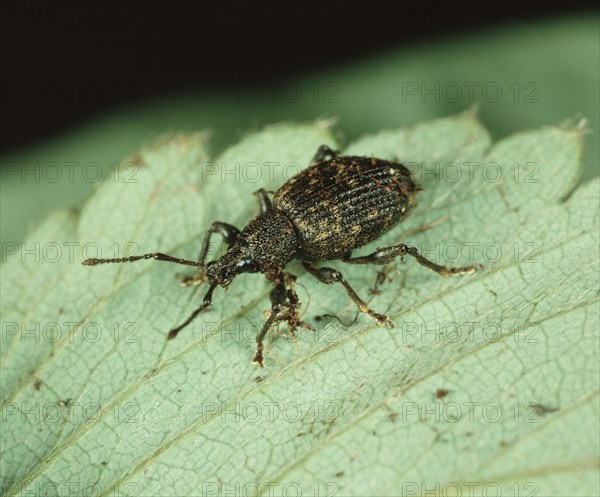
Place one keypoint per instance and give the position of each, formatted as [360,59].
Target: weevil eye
[247,266]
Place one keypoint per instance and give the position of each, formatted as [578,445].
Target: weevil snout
[236,260]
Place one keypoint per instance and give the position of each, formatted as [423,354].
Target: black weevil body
[321,214]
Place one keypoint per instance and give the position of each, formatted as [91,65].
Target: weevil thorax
[266,245]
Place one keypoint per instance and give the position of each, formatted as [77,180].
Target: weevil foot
[291,316]
[461,271]
[187,280]
[382,319]
[258,358]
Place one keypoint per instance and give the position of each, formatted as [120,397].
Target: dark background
[64,62]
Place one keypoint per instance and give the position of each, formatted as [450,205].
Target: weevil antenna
[156,256]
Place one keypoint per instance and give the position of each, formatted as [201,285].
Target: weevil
[336,205]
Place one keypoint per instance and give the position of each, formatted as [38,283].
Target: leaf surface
[489,380]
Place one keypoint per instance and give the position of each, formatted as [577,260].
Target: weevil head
[236,260]
[265,245]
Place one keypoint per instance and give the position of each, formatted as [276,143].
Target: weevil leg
[229,234]
[291,314]
[382,276]
[292,296]
[227,231]
[205,304]
[285,307]
[329,276]
[383,273]
[263,200]
[322,152]
[278,297]
[386,255]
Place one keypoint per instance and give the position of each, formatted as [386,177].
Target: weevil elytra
[336,205]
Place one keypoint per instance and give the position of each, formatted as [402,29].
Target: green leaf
[488,382]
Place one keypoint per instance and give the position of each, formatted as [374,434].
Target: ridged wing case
[344,203]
